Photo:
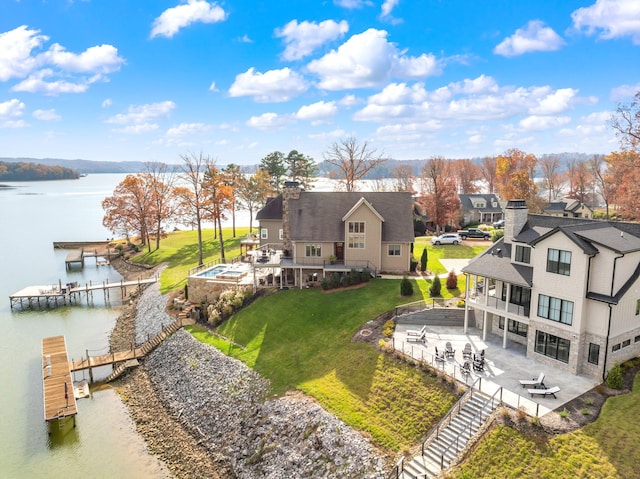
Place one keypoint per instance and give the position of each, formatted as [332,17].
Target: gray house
[480,208]
[566,288]
[320,232]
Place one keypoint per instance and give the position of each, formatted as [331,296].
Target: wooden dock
[59,294]
[59,400]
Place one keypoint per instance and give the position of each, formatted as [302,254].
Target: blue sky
[236,80]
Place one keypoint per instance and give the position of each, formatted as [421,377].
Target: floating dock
[59,398]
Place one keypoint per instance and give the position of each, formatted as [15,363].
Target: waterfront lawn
[436,253]
[180,251]
[301,339]
[605,448]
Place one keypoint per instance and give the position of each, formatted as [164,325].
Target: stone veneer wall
[205,290]
[291,191]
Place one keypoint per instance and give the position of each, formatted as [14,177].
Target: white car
[447,238]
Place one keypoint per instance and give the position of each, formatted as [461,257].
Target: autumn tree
[220,196]
[551,176]
[488,173]
[403,178]
[514,175]
[301,168]
[439,196]
[274,164]
[580,181]
[624,173]
[252,193]
[353,161]
[129,209]
[193,197]
[604,182]
[467,176]
[626,122]
[160,180]
[233,176]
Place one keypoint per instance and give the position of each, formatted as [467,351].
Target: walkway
[503,367]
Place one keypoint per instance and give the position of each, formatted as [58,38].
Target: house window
[313,249]
[264,233]
[638,307]
[552,346]
[559,261]
[280,234]
[356,235]
[394,250]
[594,353]
[523,254]
[636,339]
[513,326]
[615,347]
[519,295]
[555,309]
[626,343]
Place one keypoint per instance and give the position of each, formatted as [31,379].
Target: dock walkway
[59,400]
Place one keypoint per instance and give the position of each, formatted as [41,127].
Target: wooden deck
[59,400]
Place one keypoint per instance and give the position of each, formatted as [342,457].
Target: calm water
[104,443]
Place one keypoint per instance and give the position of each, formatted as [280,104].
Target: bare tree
[603,184]
[253,192]
[403,178]
[439,197]
[626,122]
[353,161]
[161,181]
[581,181]
[551,177]
[488,172]
[467,175]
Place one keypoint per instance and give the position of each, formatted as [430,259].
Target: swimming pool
[213,272]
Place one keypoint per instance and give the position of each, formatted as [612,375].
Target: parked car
[447,238]
[498,224]
[474,233]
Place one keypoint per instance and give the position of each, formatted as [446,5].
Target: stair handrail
[470,423]
[397,469]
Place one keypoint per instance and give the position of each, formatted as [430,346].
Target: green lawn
[301,339]
[607,448]
[436,253]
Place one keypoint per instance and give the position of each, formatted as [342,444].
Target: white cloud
[301,39]
[99,59]
[268,121]
[46,115]
[10,114]
[271,86]
[349,100]
[329,135]
[38,82]
[317,113]
[107,103]
[213,87]
[368,60]
[175,18]
[245,39]
[534,37]
[141,118]
[539,123]
[180,134]
[386,9]
[15,52]
[351,4]
[614,18]
[624,92]
[555,102]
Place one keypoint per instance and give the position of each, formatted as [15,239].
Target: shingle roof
[272,210]
[496,263]
[467,205]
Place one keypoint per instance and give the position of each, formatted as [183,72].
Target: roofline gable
[362,201]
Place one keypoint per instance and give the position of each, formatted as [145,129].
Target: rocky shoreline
[207,415]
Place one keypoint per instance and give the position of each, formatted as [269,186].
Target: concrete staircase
[449,437]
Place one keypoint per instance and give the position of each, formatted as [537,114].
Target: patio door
[339,249]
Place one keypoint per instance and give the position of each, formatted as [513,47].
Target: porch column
[300,278]
[506,319]
[484,325]
[466,303]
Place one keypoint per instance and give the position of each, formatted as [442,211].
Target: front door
[339,247]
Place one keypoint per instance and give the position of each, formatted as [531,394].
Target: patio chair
[449,352]
[545,392]
[478,364]
[466,352]
[417,332]
[418,339]
[534,383]
[465,368]
[439,355]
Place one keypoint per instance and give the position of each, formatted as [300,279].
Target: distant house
[322,232]
[478,208]
[568,289]
[569,208]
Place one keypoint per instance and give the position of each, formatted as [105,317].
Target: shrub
[406,288]
[389,326]
[497,234]
[452,280]
[423,260]
[564,414]
[324,284]
[436,287]
[186,291]
[334,280]
[614,379]
[413,265]
[460,303]
[521,414]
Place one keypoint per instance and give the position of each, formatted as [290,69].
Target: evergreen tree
[423,260]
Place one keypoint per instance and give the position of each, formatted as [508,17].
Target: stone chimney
[290,191]
[515,217]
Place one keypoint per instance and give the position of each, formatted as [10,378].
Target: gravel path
[205,415]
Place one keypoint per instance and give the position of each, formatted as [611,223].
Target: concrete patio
[503,367]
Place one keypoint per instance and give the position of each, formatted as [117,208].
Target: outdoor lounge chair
[417,332]
[545,392]
[449,352]
[418,339]
[534,383]
[478,364]
[465,368]
[439,355]
[466,352]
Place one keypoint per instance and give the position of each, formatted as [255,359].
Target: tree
[488,172]
[275,165]
[193,198]
[551,177]
[467,176]
[301,168]
[406,288]
[624,169]
[581,181]
[439,196]
[253,192]
[514,175]
[423,260]
[232,177]
[220,195]
[626,122]
[436,287]
[353,161]
[403,178]
[452,280]
[161,181]
[129,208]
[604,183]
